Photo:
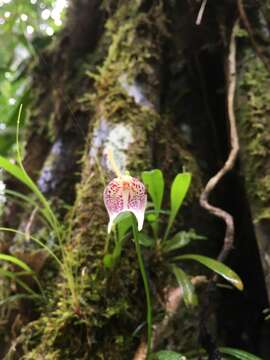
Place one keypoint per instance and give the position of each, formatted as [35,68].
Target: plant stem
[146,287]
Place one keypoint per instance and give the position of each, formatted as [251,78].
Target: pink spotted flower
[125,193]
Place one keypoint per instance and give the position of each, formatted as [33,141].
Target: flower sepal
[122,194]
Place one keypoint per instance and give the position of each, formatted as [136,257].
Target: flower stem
[146,287]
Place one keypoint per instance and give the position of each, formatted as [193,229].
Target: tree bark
[141,80]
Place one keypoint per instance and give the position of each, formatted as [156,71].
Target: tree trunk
[139,79]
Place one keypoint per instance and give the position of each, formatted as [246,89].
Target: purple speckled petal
[125,193]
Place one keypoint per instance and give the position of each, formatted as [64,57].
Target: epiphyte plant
[45,211]
[130,195]
[127,194]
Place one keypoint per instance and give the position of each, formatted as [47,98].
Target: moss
[128,55]
[98,318]
[254,130]
[108,305]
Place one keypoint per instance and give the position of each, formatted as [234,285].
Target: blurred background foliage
[26,26]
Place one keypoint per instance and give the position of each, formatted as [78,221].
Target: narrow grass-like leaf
[215,266]
[189,295]
[154,183]
[13,170]
[28,200]
[166,355]
[13,115]
[179,190]
[16,261]
[35,240]
[20,196]
[16,297]
[21,175]
[11,275]
[239,354]
[29,182]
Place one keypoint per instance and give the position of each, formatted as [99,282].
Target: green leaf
[117,251]
[12,298]
[13,276]
[108,261]
[35,240]
[166,355]
[124,223]
[24,99]
[16,261]
[151,218]
[178,241]
[145,240]
[13,170]
[20,196]
[215,266]
[179,190]
[7,140]
[26,199]
[21,175]
[50,216]
[154,182]
[184,282]
[239,354]
[181,239]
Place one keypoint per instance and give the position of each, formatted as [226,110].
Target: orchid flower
[125,193]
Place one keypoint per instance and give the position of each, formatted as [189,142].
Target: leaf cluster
[162,240]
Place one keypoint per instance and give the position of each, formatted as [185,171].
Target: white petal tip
[139,217]
[110,225]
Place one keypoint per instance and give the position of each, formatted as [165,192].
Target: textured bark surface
[253,111]
[142,80]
